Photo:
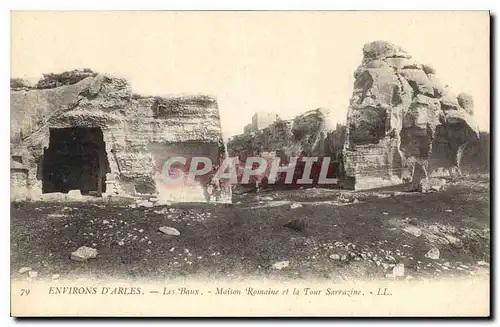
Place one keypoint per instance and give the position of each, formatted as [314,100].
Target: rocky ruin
[309,134]
[402,123]
[86,131]
[306,134]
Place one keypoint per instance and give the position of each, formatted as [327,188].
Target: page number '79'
[25,291]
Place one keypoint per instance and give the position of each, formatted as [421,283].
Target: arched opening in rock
[75,159]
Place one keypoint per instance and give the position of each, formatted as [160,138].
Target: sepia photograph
[250,163]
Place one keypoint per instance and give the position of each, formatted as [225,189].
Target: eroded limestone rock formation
[89,132]
[402,119]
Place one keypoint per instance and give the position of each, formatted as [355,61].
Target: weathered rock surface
[400,117]
[74,195]
[132,135]
[84,253]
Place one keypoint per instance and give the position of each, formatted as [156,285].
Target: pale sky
[284,62]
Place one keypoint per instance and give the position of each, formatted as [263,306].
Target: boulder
[145,204]
[452,239]
[415,231]
[84,253]
[433,254]
[169,231]
[428,185]
[74,195]
[280,265]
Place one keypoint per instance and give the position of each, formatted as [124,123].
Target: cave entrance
[75,160]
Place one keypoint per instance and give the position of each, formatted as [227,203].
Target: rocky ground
[333,234]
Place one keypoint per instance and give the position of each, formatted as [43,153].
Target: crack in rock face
[400,115]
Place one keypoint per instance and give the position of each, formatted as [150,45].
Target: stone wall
[134,129]
[400,116]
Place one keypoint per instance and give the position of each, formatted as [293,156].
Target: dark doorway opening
[75,160]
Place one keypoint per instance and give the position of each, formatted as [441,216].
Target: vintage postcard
[247,163]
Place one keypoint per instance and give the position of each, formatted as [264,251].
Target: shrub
[53,80]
